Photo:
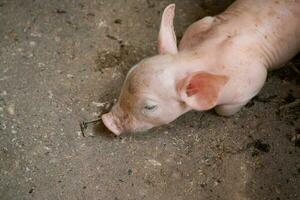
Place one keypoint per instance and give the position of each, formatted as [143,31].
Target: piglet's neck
[189,61]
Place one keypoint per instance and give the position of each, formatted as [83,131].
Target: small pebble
[78,133]
[50,94]
[70,75]
[96,114]
[41,64]
[32,43]
[57,39]
[154,162]
[36,34]
[101,23]
[107,106]
[11,109]
[3,93]
[98,104]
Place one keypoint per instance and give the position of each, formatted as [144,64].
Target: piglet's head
[155,93]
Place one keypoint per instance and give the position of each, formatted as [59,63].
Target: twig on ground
[291,105]
[84,125]
[296,69]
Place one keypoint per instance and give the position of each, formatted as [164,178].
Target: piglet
[221,63]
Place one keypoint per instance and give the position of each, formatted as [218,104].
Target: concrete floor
[63,61]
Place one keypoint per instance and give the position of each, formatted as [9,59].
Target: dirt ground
[64,61]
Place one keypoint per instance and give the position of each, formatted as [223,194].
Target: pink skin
[221,63]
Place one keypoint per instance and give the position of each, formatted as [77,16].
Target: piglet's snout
[112,123]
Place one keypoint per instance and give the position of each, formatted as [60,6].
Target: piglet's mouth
[110,123]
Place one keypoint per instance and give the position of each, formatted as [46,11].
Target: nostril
[110,123]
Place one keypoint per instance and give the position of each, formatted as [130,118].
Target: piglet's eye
[150,107]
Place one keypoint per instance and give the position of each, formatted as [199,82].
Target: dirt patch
[123,59]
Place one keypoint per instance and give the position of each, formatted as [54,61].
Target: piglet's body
[221,63]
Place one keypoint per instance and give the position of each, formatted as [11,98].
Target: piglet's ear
[201,90]
[166,37]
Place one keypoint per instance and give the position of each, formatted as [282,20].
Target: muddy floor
[63,62]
